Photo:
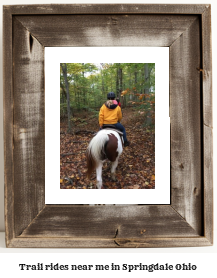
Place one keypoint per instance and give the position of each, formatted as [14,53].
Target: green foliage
[89,84]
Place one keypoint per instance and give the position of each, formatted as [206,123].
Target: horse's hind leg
[113,168]
[99,175]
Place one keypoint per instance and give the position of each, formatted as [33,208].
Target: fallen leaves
[136,167]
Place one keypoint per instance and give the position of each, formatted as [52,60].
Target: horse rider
[110,114]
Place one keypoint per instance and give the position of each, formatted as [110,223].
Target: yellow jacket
[109,116]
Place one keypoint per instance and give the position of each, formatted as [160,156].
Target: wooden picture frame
[186,30]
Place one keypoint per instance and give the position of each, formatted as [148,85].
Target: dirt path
[136,167]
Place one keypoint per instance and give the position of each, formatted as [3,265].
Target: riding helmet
[110,95]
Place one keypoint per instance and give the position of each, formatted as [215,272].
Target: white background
[56,55]
[205,257]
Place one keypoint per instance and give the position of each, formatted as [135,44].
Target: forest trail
[136,167]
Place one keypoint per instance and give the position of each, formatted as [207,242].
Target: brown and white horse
[106,144]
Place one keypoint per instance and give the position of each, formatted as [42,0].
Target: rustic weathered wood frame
[186,29]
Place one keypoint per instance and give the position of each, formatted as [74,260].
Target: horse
[106,144]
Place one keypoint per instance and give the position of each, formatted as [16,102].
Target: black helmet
[111,95]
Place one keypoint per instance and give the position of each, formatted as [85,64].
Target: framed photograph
[145,115]
[48,202]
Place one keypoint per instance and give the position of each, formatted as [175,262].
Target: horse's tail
[94,151]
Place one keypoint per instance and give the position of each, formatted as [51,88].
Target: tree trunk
[84,88]
[117,81]
[64,69]
[64,95]
[135,76]
[146,90]
[103,86]
[120,81]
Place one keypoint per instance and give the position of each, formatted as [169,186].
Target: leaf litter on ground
[136,166]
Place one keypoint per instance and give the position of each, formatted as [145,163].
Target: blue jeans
[122,129]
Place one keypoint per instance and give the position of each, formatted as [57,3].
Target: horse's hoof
[113,177]
[99,185]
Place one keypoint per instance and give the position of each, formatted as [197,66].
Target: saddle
[112,127]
